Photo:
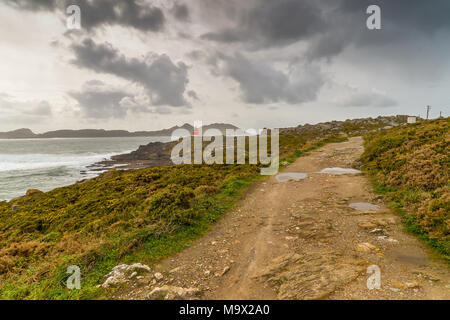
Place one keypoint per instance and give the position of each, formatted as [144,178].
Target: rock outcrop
[123,273]
[172,293]
[32,191]
[350,126]
[308,276]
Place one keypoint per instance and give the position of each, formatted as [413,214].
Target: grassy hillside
[140,215]
[119,217]
[410,165]
[123,217]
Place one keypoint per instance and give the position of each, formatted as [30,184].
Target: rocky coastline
[154,154]
[157,154]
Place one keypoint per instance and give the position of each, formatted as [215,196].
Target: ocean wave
[20,162]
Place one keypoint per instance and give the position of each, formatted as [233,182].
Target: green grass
[411,223]
[119,217]
[162,225]
[409,165]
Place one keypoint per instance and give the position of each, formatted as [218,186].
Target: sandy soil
[301,240]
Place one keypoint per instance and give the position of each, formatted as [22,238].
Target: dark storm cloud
[271,23]
[164,81]
[412,43]
[404,22]
[102,12]
[424,16]
[327,26]
[260,83]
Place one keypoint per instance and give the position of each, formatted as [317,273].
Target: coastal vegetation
[410,166]
[145,215]
[118,217]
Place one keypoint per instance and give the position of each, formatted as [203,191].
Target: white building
[411,119]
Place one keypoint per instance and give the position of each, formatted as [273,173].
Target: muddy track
[302,240]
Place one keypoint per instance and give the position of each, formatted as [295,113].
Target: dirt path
[301,240]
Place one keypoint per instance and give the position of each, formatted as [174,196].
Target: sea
[45,164]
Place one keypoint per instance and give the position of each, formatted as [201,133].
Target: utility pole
[428,111]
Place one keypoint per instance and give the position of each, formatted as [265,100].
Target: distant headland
[100,133]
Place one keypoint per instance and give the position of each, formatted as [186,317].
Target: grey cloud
[164,81]
[42,109]
[34,5]
[403,22]
[196,55]
[286,20]
[192,94]
[98,13]
[367,99]
[273,23]
[181,11]
[9,105]
[261,83]
[405,14]
[99,102]
[5,104]
[229,36]
[327,27]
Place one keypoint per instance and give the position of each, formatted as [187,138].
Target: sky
[148,65]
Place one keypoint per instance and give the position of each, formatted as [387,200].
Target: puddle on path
[364,206]
[284,177]
[342,149]
[296,176]
[408,255]
[338,171]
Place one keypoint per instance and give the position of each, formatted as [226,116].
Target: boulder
[123,273]
[32,191]
[172,293]
[366,247]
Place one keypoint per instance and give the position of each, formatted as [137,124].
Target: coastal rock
[172,293]
[123,273]
[152,155]
[156,151]
[349,126]
[158,276]
[308,276]
[225,270]
[366,247]
[32,191]
[406,285]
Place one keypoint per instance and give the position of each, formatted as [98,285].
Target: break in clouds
[285,55]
